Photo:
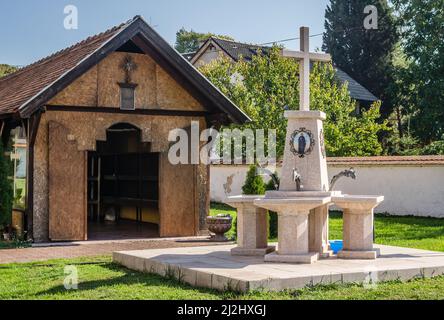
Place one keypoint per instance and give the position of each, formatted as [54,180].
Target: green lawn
[101,279]
[21,184]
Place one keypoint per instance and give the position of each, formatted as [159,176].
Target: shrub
[6,190]
[254,184]
[435,148]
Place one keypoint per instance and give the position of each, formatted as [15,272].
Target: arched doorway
[123,187]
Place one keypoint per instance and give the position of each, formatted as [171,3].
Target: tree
[254,184]
[423,43]
[6,191]
[269,84]
[6,69]
[366,55]
[190,41]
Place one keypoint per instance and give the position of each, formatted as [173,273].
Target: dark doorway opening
[123,187]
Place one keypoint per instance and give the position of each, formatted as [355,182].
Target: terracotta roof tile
[388,160]
[381,160]
[18,88]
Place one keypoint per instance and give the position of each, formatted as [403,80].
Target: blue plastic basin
[336,245]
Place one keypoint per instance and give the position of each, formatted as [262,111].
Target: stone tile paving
[214,267]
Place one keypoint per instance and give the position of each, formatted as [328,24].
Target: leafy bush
[435,148]
[6,190]
[254,184]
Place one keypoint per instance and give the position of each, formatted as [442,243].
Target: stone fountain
[304,196]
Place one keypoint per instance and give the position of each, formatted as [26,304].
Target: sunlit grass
[99,278]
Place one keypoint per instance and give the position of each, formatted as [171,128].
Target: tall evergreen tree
[366,55]
[423,43]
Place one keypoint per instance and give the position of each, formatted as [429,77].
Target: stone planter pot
[219,225]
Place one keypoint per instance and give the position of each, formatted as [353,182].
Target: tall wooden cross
[305,57]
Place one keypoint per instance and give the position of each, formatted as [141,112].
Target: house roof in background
[237,50]
[188,55]
[33,86]
[357,91]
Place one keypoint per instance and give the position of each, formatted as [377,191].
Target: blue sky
[31,29]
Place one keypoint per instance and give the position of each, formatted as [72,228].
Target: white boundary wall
[408,189]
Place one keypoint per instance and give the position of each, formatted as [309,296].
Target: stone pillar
[318,231]
[293,233]
[358,226]
[358,230]
[252,227]
[293,215]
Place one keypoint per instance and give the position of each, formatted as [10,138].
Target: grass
[410,232]
[99,278]
[15,244]
[21,184]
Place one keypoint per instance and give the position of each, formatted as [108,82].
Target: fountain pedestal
[252,227]
[293,212]
[318,231]
[358,226]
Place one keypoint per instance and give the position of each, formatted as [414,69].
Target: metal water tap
[350,173]
[297,179]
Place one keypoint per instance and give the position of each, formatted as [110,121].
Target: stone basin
[356,202]
[292,206]
[358,225]
[301,194]
[241,200]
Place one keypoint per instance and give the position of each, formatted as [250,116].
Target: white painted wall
[408,190]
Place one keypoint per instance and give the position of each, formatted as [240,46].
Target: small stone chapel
[97,117]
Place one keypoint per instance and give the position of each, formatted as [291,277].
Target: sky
[30,29]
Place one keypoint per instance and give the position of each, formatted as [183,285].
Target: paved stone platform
[214,267]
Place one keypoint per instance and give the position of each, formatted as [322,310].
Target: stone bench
[252,227]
